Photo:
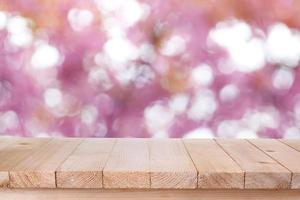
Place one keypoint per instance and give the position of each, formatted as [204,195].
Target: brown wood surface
[4,178]
[283,154]
[149,163]
[128,165]
[38,170]
[170,165]
[84,167]
[292,143]
[215,168]
[142,194]
[14,151]
[261,171]
[5,141]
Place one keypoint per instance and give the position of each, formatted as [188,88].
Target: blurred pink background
[150,68]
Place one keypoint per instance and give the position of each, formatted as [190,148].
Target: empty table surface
[149,163]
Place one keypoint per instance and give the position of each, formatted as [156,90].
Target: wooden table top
[149,163]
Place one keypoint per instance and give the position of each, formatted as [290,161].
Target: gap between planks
[158,173]
[50,166]
[16,150]
[261,170]
[216,170]
[284,155]
[149,163]
[38,169]
[84,166]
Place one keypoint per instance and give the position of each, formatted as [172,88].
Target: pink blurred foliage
[100,98]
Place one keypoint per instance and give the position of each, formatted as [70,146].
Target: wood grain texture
[97,194]
[149,163]
[38,170]
[14,151]
[128,165]
[285,155]
[84,167]
[261,171]
[4,142]
[170,165]
[292,143]
[215,168]
[4,178]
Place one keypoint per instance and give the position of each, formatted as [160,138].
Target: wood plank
[261,171]
[294,143]
[14,151]
[128,165]
[170,165]
[96,194]
[4,178]
[4,141]
[215,168]
[285,155]
[84,167]
[38,170]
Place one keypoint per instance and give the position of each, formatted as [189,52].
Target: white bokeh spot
[203,106]
[200,133]
[120,50]
[247,53]
[19,31]
[45,56]
[283,78]
[179,103]
[53,97]
[89,114]
[158,119]
[201,75]
[173,46]
[283,45]
[80,18]
[229,92]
